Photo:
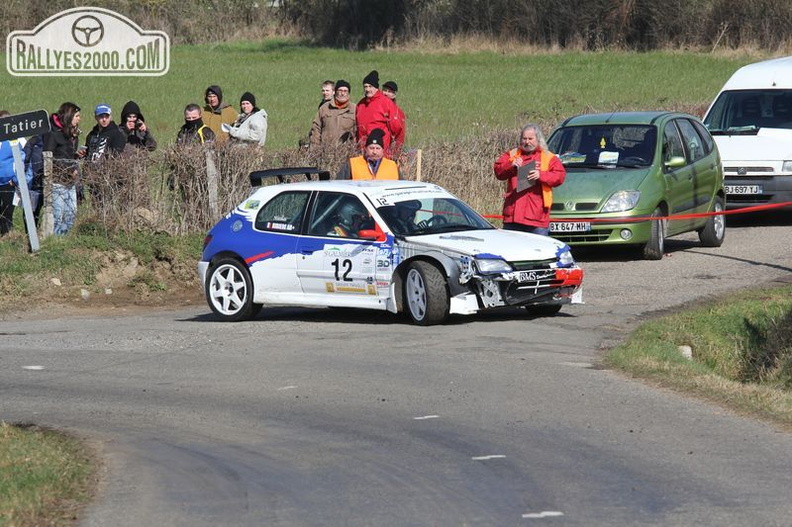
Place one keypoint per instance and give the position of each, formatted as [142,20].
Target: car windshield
[605,146]
[431,216]
[744,112]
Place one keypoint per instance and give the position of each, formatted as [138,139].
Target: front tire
[229,291]
[426,294]
[714,231]
[653,250]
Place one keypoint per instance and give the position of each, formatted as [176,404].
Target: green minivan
[636,178]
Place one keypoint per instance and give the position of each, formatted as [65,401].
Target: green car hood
[597,185]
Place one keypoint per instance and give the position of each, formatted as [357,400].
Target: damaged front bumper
[553,285]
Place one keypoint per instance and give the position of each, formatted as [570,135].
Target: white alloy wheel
[426,294]
[229,291]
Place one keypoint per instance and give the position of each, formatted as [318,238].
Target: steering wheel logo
[87,31]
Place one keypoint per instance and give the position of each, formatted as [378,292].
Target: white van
[751,121]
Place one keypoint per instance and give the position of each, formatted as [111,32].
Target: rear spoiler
[257,177]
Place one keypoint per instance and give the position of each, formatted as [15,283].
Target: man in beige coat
[217,113]
[335,121]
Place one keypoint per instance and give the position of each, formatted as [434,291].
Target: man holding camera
[133,125]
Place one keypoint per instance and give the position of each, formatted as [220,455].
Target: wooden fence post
[46,221]
[211,183]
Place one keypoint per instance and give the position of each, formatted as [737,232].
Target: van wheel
[714,231]
[653,250]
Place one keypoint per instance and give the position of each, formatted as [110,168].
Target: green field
[445,96]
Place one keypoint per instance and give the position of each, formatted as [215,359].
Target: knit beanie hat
[372,78]
[342,84]
[249,97]
[375,137]
[392,86]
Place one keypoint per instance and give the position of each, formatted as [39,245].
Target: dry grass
[170,191]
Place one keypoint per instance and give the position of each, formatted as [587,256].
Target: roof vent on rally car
[257,177]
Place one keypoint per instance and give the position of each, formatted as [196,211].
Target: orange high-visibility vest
[359,169]
[544,164]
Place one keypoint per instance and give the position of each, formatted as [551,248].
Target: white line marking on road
[577,364]
[421,418]
[543,514]
[486,458]
[33,368]
[287,388]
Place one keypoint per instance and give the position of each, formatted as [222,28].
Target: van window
[745,111]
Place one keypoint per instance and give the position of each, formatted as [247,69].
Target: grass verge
[45,477]
[741,353]
[96,270]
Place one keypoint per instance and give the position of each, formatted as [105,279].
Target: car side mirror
[676,162]
[376,234]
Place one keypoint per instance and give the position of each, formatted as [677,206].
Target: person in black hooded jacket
[105,138]
[134,127]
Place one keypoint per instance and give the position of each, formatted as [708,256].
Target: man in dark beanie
[372,164]
[250,126]
[216,112]
[335,120]
[375,110]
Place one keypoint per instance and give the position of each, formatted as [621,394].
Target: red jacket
[398,139]
[378,112]
[528,207]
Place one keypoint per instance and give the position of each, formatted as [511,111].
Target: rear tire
[714,231]
[229,291]
[653,250]
[426,294]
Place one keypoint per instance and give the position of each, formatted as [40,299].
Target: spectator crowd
[375,125]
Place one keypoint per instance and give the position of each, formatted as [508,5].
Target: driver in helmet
[404,222]
[350,218]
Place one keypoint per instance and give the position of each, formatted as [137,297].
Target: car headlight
[492,265]
[787,166]
[565,258]
[621,201]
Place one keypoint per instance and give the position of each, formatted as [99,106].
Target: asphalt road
[320,417]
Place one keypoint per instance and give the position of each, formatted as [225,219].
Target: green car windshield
[605,146]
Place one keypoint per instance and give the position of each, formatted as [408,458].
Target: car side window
[693,141]
[672,143]
[709,142]
[283,213]
[338,214]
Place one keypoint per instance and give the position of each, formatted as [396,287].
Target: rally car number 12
[400,246]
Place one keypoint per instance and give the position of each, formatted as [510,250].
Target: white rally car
[400,246]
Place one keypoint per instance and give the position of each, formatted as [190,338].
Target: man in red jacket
[375,110]
[526,205]
[389,89]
